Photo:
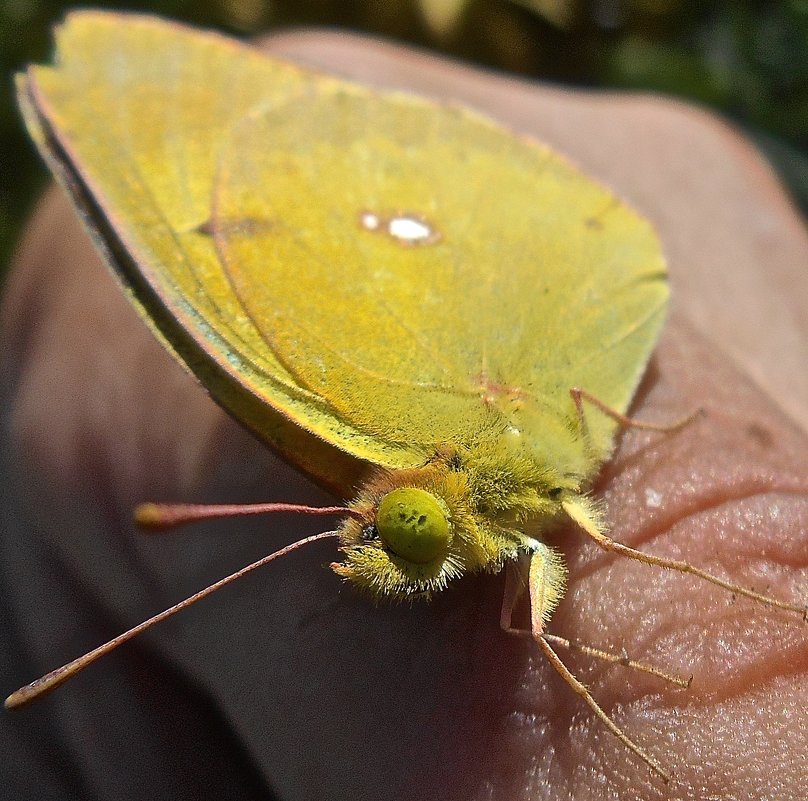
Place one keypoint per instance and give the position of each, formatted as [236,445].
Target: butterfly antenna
[163,516]
[36,689]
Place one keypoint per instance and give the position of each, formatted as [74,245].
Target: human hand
[289,680]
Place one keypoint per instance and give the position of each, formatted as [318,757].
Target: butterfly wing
[432,274]
[131,119]
[357,276]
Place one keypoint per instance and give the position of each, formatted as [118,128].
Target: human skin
[292,681]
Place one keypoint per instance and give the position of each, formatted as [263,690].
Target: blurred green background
[746,60]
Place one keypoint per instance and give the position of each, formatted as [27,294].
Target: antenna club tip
[15,701]
[149,515]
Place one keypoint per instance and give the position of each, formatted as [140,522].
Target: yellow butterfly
[396,295]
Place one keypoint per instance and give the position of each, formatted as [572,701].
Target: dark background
[746,60]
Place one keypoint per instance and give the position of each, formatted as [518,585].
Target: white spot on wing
[402,227]
[370,221]
[409,229]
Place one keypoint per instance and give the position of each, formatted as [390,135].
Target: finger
[316,640]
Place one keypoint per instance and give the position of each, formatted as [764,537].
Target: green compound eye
[414,524]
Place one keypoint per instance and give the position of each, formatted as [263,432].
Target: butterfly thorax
[468,509]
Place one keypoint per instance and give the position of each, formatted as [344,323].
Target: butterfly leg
[581,511]
[515,585]
[544,579]
[580,395]
[618,659]
[542,572]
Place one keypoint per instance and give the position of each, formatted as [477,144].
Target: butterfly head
[416,529]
